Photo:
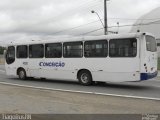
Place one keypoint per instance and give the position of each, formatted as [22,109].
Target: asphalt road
[16,99]
[147,89]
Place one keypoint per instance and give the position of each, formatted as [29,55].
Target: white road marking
[83,92]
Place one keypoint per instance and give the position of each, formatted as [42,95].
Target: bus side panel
[102,69]
[19,63]
[116,77]
[53,68]
[11,69]
[116,70]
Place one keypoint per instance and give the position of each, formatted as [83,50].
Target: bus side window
[22,51]
[73,49]
[96,48]
[123,47]
[36,51]
[53,50]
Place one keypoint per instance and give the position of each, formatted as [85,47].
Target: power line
[108,27]
[76,27]
[92,31]
[129,25]
[71,11]
[134,19]
[149,23]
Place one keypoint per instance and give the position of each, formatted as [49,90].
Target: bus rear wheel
[22,74]
[85,77]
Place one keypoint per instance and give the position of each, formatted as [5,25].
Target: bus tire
[22,74]
[85,77]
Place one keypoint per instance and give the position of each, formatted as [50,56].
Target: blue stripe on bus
[146,76]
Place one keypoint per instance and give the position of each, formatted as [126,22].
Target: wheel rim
[84,78]
[21,74]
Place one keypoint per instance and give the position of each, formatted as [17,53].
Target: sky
[23,20]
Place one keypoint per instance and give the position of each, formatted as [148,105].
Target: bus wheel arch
[21,73]
[85,77]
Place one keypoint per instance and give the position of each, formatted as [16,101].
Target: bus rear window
[151,44]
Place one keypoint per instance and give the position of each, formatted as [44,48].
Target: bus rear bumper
[146,76]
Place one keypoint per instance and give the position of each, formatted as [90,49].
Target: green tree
[2,50]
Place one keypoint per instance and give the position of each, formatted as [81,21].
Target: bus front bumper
[146,76]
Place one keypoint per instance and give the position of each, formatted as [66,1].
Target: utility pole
[105,18]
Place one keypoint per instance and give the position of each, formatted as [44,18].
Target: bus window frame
[53,43]
[82,50]
[36,57]
[150,44]
[94,41]
[124,56]
[26,51]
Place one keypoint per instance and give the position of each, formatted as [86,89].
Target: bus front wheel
[85,77]
[22,74]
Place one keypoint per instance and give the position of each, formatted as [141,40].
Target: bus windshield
[151,44]
[10,56]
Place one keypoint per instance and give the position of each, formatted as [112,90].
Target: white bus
[107,58]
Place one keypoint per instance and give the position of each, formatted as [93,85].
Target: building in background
[149,22]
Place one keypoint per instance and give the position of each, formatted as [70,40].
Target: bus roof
[80,38]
